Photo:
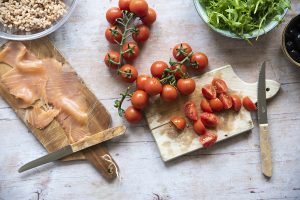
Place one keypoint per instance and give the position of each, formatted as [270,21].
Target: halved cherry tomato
[226,100]
[128,73]
[205,106]
[190,110]
[179,122]
[180,51]
[248,104]
[124,4]
[132,51]
[220,85]
[141,33]
[141,80]
[112,56]
[139,7]
[199,128]
[209,119]
[209,92]
[153,86]
[169,93]
[208,139]
[181,70]
[112,14]
[139,99]
[150,17]
[157,68]
[113,34]
[186,86]
[216,105]
[133,115]
[199,61]
[236,103]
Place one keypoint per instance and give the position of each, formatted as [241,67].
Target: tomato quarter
[141,80]
[139,99]
[141,33]
[216,105]
[112,56]
[139,7]
[181,70]
[157,68]
[178,122]
[150,17]
[112,14]
[236,103]
[208,139]
[133,115]
[220,85]
[169,93]
[180,51]
[124,4]
[190,111]
[199,128]
[128,73]
[186,86]
[199,61]
[209,92]
[226,100]
[153,86]
[248,104]
[132,51]
[209,120]
[113,34]
[205,106]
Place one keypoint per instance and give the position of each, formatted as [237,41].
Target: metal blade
[65,151]
[261,96]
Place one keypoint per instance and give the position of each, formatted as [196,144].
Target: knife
[86,142]
[265,150]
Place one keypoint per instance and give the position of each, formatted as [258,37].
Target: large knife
[86,142]
[265,150]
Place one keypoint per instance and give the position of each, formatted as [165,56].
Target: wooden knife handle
[265,150]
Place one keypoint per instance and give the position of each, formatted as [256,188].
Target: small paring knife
[75,147]
[265,150]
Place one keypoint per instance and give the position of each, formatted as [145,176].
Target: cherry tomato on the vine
[209,119]
[190,111]
[236,103]
[141,80]
[220,85]
[199,128]
[199,61]
[226,100]
[209,92]
[128,73]
[139,7]
[132,51]
[205,106]
[181,70]
[248,104]
[178,122]
[157,68]
[113,34]
[153,86]
[124,4]
[216,105]
[110,57]
[112,14]
[169,93]
[182,50]
[141,33]
[133,115]
[186,86]
[150,17]
[139,99]
[208,139]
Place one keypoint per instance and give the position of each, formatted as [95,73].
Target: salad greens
[243,16]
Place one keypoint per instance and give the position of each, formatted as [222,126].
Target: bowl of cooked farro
[31,19]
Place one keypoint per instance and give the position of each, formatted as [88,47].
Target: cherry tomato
[113,34]
[180,51]
[180,72]
[133,51]
[226,100]
[208,139]
[190,111]
[209,119]
[209,92]
[153,86]
[248,104]
[169,93]
[128,73]
[186,86]
[216,105]
[150,17]
[157,68]
[220,85]
[139,7]
[199,128]
[236,103]
[124,4]
[112,56]
[139,99]
[199,61]
[205,106]
[140,81]
[133,115]
[179,122]
[112,14]
[141,33]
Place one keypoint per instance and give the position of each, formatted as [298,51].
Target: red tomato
[112,56]
[140,81]
[205,106]
[209,119]
[132,51]
[209,92]
[157,68]
[208,139]
[139,7]
[186,86]
[150,17]
[199,128]
[113,34]
[236,103]
[169,93]
[133,115]
[220,85]
[139,99]
[153,86]
[128,73]
[179,122]
[141,33]
[180,51]
[248,104]
[226,100]
[181,70]
[112,14]
[216,105]
[199,61]
[190,111]
[124,4]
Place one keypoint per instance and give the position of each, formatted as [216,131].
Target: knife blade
[265,150]
[86,142]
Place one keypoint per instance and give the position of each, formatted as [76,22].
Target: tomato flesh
[248,104]
[236,103]
[209,120]
[226,100]
[190,111]
[178,122]
[205,106]
[199,128]
[220,85]
[208,139]
[209,92]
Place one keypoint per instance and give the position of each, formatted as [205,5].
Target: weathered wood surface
[230,170]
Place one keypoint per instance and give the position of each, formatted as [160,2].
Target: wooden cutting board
[173,144]
[53,136]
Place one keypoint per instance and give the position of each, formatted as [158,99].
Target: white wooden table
[230,170]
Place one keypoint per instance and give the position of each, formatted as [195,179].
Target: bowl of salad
[242,19]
